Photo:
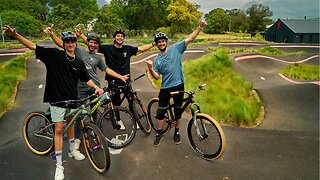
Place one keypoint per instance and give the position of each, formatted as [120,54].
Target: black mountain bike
[205,135]
[135,104]
[110,118]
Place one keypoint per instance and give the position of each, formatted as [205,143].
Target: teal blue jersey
[169,65]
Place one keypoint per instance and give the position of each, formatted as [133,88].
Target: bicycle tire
[213,143]
[141,117]
[35,123]
[118,138]
[152,113]
[96,148]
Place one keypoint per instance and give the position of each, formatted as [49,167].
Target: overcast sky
[280,8]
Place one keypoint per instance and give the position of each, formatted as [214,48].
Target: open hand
[149,63]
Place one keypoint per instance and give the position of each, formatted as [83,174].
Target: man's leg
[164,97]
[178,98]
[75,153]
[57,115]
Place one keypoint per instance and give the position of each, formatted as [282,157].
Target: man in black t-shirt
[63,72]
[117,57]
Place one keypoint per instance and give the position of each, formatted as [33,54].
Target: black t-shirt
[62,74]
[117,59]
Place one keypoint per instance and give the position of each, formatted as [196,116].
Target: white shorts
[58,113]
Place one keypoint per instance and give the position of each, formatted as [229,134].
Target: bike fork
[203,127]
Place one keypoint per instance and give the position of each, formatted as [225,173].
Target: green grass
[302,72]
[228,97]
[11,72]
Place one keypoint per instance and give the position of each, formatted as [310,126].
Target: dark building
[294,31]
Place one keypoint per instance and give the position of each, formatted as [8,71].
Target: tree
[107,22]
[183,16]
[37,8]
[239,22]
[258,16]
[141,14]
[217,20]
[77,5]
[62,17]
[25,24]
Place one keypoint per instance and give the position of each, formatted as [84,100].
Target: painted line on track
[299,82]
[10,54]
[294,46]
[272,58]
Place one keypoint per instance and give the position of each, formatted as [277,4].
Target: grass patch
[302,72]
[11,72]
[228,97]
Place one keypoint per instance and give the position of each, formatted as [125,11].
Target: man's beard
[119,44]
[163,50]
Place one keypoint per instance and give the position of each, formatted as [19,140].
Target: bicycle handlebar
[102,97]
[127,83]
[199,88]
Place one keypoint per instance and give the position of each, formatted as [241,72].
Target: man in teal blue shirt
[168,63]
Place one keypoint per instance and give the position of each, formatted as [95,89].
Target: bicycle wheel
[118,138]
[210,142]
[140,115]
[152,113]
[96,148]
[38,133]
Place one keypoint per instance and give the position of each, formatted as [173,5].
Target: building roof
[303,25]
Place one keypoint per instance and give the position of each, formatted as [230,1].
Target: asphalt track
[284,146]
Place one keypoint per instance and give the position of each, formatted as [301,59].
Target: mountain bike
[38,131]
[205,135]
[112,119]
[135,104]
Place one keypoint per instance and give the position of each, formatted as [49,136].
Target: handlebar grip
[139,77]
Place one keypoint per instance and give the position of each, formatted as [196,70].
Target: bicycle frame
[82,110]
[193,106]
[128,91]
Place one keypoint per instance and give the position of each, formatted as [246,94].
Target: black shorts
[164,96]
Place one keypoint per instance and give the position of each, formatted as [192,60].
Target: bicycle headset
[159,36]
[119,31]
[93,36]
[68,36]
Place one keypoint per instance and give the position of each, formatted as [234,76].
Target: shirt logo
[125,54]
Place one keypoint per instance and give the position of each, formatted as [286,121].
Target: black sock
[176,130]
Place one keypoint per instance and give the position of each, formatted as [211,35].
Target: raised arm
[54,37]
[26,42]
[151,70]
[195,33]
[145,47]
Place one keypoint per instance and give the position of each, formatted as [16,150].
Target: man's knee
[160,113]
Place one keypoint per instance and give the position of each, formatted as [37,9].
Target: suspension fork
[200,124]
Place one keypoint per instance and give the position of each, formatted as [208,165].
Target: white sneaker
[138,127]
[76,154]
[59,173]
[77,143]
[122,127]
